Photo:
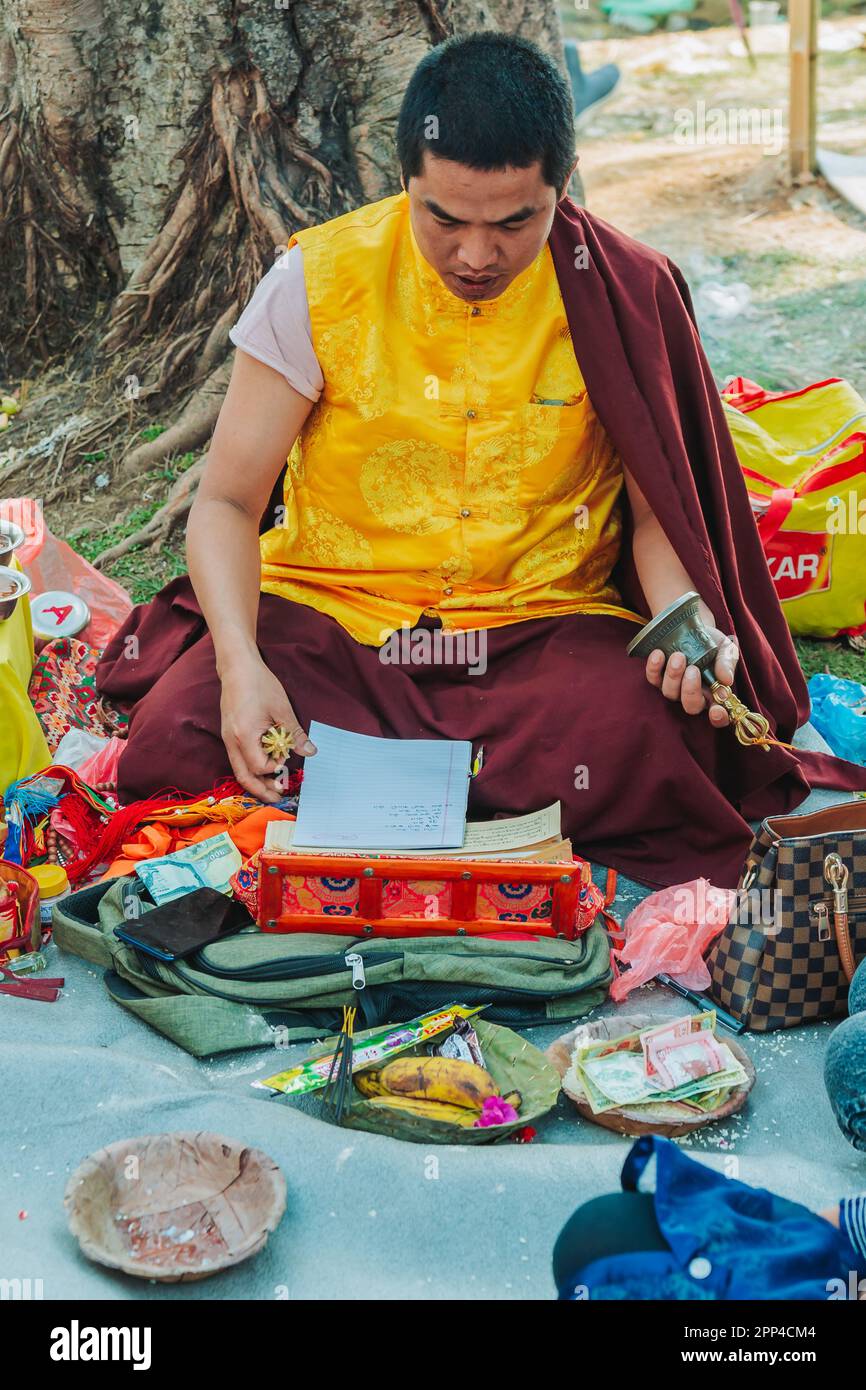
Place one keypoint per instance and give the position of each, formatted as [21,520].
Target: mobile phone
[181,927]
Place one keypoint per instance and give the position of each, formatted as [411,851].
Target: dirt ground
[778,273]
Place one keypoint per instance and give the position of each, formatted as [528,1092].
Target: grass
[834,656]
[145,571]
[142,572]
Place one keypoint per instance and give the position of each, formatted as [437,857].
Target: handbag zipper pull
[822,913]
[836,874]
[356,964]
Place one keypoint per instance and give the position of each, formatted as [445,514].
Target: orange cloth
[454,463]
[156,840]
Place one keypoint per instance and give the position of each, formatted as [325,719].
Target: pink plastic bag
[50,563]
[669,932]
[100,770]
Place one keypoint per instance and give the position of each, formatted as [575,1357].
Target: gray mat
[367,1216]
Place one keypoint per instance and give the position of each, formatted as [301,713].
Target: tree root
[163,522]
[193,429]
[56,245]
[242,151]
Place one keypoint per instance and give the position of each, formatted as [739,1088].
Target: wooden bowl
[174,1207]
[669,1119]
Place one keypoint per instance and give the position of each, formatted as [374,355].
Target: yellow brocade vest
[454,464]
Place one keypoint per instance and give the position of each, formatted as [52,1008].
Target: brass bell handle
[749,727]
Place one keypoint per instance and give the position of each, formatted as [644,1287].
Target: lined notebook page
[361,792]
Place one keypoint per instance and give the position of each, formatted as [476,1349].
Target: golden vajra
[278,742]
[749,728]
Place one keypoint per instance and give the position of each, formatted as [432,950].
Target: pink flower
[495,1111]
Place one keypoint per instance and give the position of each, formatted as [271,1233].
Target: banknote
[600,1101]
[208,864]
[658,1042]
[687,1059]
[711,1100]
[614,1076]
[665,1034]
[651,1090]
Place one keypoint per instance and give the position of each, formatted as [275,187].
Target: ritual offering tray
[577,1052]
[157,1206]
[465,1082]
[522,1078]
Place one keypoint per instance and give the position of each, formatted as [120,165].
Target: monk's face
[479,228]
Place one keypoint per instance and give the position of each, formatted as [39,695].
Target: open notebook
[361,792]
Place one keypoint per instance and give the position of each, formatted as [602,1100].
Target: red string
[107,839]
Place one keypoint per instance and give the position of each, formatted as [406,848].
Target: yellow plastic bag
[22,743]
[803,456]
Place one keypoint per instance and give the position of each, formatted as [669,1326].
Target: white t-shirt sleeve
[275,326]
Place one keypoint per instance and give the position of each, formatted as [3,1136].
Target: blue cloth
[845,1065]
[727,1241]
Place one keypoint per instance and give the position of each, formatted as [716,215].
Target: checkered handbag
[798,927]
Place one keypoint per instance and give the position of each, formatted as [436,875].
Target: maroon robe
[561,710]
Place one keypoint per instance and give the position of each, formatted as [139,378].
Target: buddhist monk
[501,427]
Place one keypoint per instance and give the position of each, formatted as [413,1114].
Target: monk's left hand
[678,681]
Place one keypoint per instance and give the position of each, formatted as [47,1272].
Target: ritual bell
[679,628]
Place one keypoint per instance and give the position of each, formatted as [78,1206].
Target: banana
[514,1099]
[368,1083]
[426,1109]
[442,1079]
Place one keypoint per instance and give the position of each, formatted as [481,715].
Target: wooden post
[803,18]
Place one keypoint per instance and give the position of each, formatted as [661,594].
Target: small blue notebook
[363,793]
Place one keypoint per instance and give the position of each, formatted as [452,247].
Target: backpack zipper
[149,966]
[356,962]
[295,967]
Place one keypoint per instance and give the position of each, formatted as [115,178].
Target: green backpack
[255,987]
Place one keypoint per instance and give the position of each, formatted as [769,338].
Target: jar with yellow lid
[53,885]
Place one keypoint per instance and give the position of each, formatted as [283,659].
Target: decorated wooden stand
[467,879]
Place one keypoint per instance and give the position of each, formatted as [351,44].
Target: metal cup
[679,628]
[12,533]
[13,585]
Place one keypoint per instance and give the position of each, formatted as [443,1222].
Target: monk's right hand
[252,700]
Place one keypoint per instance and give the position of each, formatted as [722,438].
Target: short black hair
[488,100]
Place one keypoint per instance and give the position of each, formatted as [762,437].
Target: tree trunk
[152,162]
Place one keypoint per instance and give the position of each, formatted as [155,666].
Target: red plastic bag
[50,563]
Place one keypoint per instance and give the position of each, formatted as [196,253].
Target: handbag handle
[844,817]
[836,874]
